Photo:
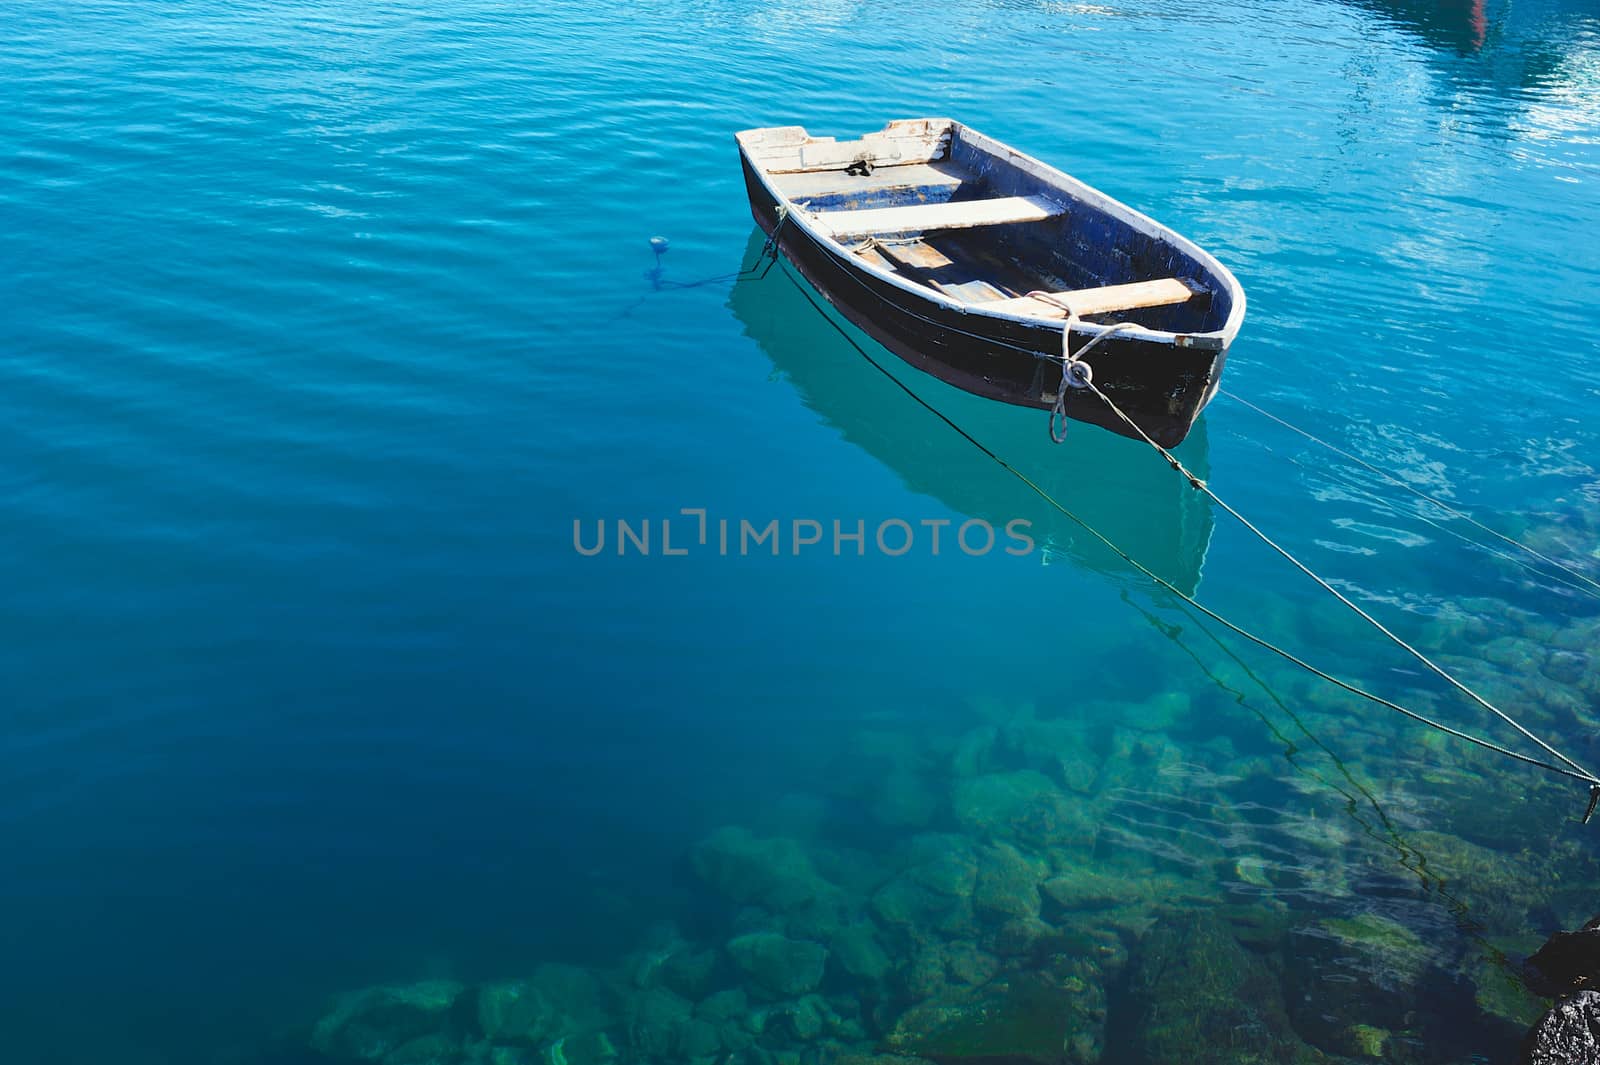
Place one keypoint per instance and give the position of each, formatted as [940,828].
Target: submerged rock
[1197,996]
[724,1005]
[657,1022]
[589,1048]
[515,1011]
[1026,1018]
[1350,979]
[1501,994]
[859,953]
[1062,747]
[1569,1034]
[967,964]
[1079,888]
[780,965]
[1394,951]
[974,752]
[1008,881]
[934,891]
[374,1023]
[1024,806]
[557,1001]
[690,972]
[774,873]
[1019,936]
[436,1049]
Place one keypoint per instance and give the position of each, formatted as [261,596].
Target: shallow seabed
[323,323]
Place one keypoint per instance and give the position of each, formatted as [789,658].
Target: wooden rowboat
[963,257]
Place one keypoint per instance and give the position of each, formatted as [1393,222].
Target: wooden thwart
[1104,300]
[975,291]
[879,221]
[932,177]
[918,255]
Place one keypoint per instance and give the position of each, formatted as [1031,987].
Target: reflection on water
[1514,44]
[1116,485]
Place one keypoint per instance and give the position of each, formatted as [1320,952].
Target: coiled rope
[1079,371]
[1563,766]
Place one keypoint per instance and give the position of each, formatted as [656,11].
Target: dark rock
[657,1021]
[1567,1035]
[725,1005]
[1349,980]
[782,966]
[1026,1019]
[1196,996]
[690,972]
[1569,961]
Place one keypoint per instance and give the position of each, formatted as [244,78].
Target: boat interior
[926,203]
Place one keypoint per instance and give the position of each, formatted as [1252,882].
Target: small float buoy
[659,245]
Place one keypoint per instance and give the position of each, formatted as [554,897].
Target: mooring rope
[1058,413]
[1593,588]
[1078,380]
[1440,525]
[1571,769]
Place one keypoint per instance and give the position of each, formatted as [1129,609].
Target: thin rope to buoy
[1593,588]
[1570,769]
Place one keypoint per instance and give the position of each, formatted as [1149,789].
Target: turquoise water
[323,323]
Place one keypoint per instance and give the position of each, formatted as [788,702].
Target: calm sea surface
[322,323]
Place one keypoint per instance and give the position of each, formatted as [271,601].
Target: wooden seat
[1104,300]
[928,178]
[918,256]
[922,217]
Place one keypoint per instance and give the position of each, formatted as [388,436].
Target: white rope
[1260,641]
[1433,666]
[1075,373]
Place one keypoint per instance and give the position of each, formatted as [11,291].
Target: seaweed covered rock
[1063,748]
[1024,806]
[858,953]
[934,890]
[1196,996]
[1023,1018]
[1008,881]
[1569,1034]
[782,966]
[1352,981]
[379,1023]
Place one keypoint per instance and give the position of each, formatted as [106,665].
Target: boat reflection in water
[1119,486]
[1519,43]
